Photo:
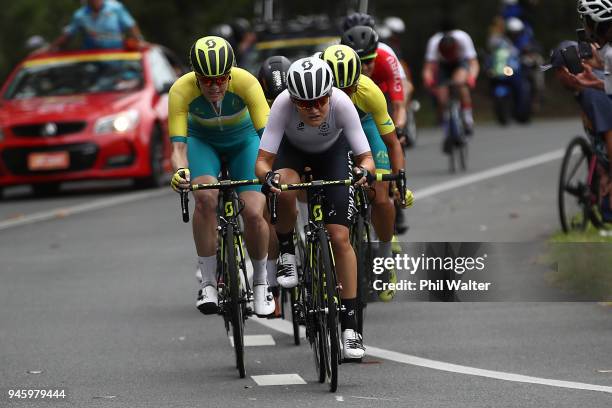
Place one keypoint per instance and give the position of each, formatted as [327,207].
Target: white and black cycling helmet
[598,10]
[395,24]
[309,79]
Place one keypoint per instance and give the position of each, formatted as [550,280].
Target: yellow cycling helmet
[344,63]
[211,56]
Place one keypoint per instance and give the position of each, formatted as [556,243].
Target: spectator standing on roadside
[102,24]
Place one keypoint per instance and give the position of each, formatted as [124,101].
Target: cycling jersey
[466,47]
[369,100]
[243,106]
[106,29]
[387,48]
[387,75]
[375,120]
[342,118]
[209,135]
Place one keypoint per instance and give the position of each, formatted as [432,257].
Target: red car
[86,115]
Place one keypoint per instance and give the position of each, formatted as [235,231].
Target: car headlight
[119,123]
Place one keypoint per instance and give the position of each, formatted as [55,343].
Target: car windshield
[73,76]
[293,49]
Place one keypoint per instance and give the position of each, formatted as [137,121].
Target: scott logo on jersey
[324,129]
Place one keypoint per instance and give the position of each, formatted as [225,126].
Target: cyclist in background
[451,58]
[380,131]
[102,23]
[313,124]
[217,111]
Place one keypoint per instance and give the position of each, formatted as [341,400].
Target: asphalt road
[100,303]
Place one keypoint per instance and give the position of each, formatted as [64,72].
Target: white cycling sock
[384,249]
[271,268]
[208,267]
[302,215]
[468,116]
[259,271]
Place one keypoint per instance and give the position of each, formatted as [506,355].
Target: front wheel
[330,303]
[235,301]
[576,197]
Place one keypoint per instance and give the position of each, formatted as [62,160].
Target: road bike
[455,141]
[318,295]
[235,293]
[579,181]
[361,240]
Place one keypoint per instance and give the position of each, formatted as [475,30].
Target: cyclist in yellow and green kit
[380,131]
[218,112]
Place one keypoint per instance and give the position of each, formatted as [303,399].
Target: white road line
[255,340]
[286,327]
[487,174]
[131,197]
[278,379]
[81,208]
[280,325]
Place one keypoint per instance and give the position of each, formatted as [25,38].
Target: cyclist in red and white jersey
[451,58]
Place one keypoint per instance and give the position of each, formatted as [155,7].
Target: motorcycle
[511,88]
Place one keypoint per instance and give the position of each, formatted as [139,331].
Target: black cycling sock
[285,243]
[348,319]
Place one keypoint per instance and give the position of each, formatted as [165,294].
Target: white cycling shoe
[352,344]
[207,301]
[264,300]
[286,272]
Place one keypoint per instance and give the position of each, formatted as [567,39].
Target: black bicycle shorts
[447,70]
[333,164]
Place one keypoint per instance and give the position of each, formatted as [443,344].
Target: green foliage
[172,23]
[177,23]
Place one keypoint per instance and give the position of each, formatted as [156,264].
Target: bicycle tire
[295,319]
[236,312]
[362,270]
[330,302]
[570,222]
[463,156]
[311,298]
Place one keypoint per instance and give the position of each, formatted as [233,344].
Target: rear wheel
[295,318]
[463,155]
[363,251]
[576,197]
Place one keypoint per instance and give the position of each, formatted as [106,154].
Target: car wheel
[156,156]
[45,189]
